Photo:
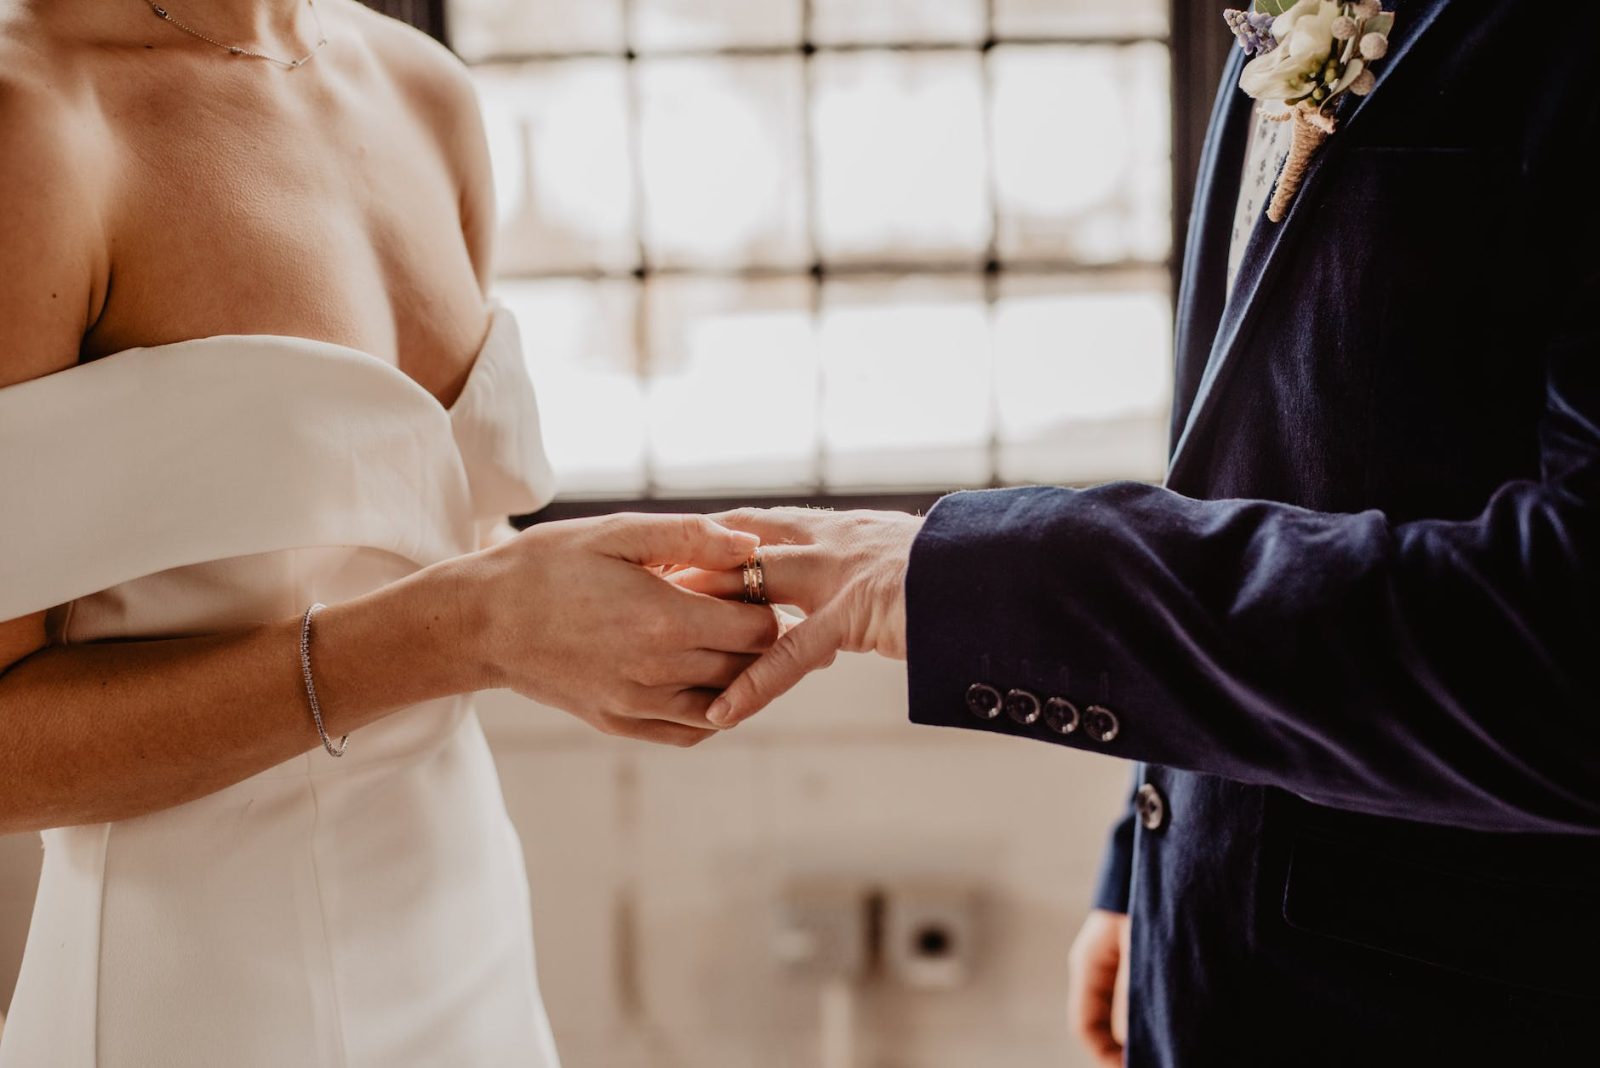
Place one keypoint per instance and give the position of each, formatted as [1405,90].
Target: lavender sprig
[1254,31]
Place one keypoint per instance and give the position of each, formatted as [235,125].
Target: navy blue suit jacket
[1355,639]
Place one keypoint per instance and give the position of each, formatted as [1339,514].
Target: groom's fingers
[805,648]
[794,574]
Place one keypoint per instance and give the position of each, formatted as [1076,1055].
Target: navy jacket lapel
[1271,243]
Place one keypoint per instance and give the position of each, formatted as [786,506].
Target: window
[778,248]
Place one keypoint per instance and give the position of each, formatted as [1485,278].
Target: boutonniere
[1308,55]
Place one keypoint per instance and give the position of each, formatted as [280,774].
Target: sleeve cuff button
[983,701]
[1101,724]
[1061,715]
[1022,707]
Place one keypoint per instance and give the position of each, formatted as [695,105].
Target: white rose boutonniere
[1308,54]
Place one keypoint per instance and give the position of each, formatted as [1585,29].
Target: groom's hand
[845,570]
[577,615]
[1097,986]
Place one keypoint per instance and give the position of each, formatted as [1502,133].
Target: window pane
[661,24]
[897,21]
[723,161]
[1082,152]
[1079,18]
[733,391]
[1082,376]
[480,28]
[900,157]
[578,337]
[559,139]
[905,382]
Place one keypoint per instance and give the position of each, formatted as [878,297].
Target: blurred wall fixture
[914,934]
[928,932]
[824,929]
[841,934]
[825,933]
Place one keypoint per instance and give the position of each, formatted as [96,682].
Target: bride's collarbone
[387,273]
[314,208]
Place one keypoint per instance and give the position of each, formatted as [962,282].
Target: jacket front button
[1151,807]
[983,701]
[1022,707]
[1101,724]
[1061,715]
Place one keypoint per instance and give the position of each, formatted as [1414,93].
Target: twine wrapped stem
[1311,128]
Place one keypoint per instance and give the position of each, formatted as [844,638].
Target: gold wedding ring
[755,580]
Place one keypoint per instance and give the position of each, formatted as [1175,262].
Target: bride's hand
[577,615]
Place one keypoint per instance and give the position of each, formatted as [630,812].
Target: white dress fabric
[369,911]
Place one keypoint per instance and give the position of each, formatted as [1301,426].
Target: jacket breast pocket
[1414,275]
[1536,935]
[1430,219]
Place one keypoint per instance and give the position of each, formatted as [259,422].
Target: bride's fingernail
[720,712]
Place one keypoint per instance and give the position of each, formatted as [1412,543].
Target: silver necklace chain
[239,50]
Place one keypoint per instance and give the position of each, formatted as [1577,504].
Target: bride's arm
[566,613]
[104,732]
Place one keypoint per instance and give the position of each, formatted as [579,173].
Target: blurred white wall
[655,873]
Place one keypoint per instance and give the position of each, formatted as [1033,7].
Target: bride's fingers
[723,585]
[707,669]
[774,526]
[656,540]
[804,648]
[656,731]
[704,623]
[667,703]
[688,708]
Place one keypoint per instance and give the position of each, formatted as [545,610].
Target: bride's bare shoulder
[52,251]
[428,73]
[438,91]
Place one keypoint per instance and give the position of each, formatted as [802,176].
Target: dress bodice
[294,455]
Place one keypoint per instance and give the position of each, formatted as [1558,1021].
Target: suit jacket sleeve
[1436,670]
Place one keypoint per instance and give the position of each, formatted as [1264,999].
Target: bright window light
[806,248]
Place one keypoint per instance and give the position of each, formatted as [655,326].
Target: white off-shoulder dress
[369,911]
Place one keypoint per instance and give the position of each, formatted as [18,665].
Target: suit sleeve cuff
[1003,630]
